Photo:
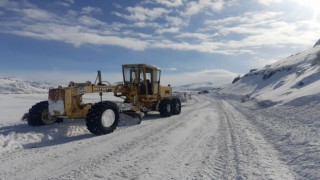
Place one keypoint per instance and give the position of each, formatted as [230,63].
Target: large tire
[176,106]
[39,115]
[165,108]
[102,118]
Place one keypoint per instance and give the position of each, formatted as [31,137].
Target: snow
[265,126]
[213,138]
[56,107]
[13,106]
[208,140]
[292,130]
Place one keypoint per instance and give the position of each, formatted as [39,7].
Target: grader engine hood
[56,103]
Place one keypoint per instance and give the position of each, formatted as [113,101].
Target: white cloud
[194,8]
[167,30]
[139,13]
[3,3]
[263,29]
[255,18]
[168,3]
[66,3]
[199,36]
[77,36]
[138,35]
[254,30]
[168,69]
[37,14]
[89,10]
[145,25]
[70,1]
[268,2]
[176,21]
[204,47]
[118,6]
[89,21]
[260,62]
[16,6]
[72,28]
[259,30]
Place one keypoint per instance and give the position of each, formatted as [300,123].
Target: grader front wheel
[39,115]
[102,118]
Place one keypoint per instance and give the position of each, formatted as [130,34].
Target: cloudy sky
[190,40]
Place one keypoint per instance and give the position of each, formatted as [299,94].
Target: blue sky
[191,41]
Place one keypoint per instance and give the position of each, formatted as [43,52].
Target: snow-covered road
[210,139]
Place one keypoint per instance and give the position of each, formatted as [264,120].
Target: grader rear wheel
[102,118]
[176,106]
[165,108]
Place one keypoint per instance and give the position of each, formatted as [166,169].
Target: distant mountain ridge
[11,85]
[196,86]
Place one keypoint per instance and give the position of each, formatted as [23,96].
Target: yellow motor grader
[141,91]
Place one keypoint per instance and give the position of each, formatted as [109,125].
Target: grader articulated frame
[141,91]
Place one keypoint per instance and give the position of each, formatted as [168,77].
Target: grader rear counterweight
[141,91]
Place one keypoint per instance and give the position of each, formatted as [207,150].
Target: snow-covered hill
[19,86]
[291,80]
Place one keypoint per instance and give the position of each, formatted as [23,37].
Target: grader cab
[141,92]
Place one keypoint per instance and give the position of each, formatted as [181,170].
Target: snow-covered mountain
[291,80]
[18,86]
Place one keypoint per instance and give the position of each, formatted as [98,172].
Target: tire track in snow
[187,152]
[251,156]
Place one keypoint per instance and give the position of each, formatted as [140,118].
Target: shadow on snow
[69,130]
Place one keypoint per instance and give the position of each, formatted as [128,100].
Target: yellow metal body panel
[140,101]
[165,92]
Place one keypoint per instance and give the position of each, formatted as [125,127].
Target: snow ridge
[317,43]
